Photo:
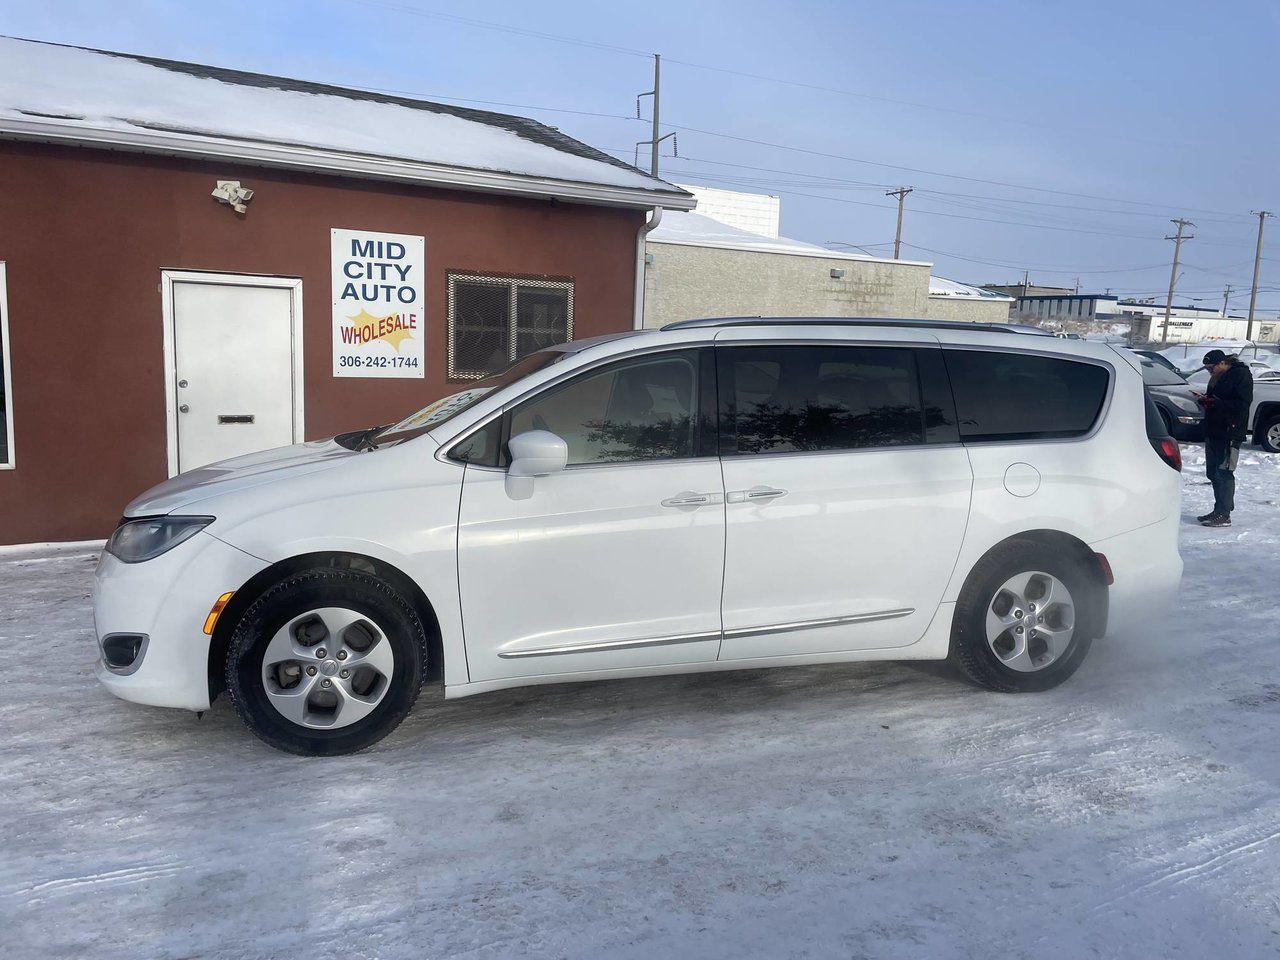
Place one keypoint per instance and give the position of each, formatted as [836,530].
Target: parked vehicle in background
[1264,416]
[1159,358]
[716,495]
[1182,414]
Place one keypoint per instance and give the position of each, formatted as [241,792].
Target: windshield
[446,408]
[1158,375]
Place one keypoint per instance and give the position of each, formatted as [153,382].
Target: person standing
[1226,422]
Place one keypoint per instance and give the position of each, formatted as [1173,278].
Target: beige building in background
[696,266]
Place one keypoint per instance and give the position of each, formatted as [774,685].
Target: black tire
[295,595]
[969,650]
[1167,418]
[1261,435]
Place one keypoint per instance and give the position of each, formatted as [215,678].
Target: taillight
[1169,451]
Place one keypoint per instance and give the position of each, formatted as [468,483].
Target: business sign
[378,304]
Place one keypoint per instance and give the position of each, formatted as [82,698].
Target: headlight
[1184,403]
[138,540]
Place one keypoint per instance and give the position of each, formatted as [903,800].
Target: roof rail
[855,322]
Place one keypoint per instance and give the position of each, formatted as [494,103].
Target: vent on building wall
[837,273]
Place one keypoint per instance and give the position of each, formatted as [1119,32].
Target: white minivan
[717,495]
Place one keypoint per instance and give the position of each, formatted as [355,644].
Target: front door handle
[755,494]
[690,499]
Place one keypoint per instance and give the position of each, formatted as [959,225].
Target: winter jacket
[1230,399]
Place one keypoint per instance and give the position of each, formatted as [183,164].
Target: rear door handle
[691,499]
[755,494]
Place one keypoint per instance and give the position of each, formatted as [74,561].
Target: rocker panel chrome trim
[709,635]
[609,645]
[817,624]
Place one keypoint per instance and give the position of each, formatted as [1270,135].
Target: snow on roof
[50,91]
[696,230]
[952,289]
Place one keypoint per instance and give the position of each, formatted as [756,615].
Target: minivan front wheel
[1025,620]
[326,662]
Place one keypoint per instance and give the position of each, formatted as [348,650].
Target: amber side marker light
[218,606]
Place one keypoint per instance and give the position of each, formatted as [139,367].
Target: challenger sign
[378,304]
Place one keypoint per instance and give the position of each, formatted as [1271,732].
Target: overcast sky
[1123,114]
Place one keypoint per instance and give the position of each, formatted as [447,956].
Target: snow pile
[884,810]
[105,92]
[953,289]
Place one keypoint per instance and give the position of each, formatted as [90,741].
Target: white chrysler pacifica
[718,495]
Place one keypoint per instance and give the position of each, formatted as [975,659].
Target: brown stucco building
[149,326]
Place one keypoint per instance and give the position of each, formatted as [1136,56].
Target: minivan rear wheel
[1025,619]
[326,662]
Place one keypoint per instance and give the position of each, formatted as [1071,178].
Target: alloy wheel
[1030,621]
[327,668]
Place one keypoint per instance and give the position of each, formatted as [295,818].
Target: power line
[1038,267]
[728,71]
[935,173]
[631,51]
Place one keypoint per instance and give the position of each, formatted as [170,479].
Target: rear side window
[788,399]
[1010,396]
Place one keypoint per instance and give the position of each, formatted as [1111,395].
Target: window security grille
[494,321]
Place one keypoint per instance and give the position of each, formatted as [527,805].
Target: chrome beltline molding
[709,635]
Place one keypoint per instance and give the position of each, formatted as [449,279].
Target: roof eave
[287,156]
[783,252]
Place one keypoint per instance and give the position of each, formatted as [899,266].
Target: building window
[494,321]
[6,379]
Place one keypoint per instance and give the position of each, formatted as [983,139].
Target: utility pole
[655,141]
[1257,264]
[1077,286]
[901,194]
[1173,274]
[1026,281]
[1226,295]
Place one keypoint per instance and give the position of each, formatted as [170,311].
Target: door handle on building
[757,494]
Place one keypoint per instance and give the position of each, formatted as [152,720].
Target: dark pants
[1220,467]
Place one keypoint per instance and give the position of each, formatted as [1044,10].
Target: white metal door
[232,368]
[843,522]
[600,569]
[854,555]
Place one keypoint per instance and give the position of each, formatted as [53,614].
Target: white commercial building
[698,266]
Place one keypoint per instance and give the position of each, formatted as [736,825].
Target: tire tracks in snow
[37,892]
[1215,858]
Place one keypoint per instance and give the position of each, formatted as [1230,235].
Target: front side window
[6,380]
[787,399]
[494,321]
[641,409]
[1013,396]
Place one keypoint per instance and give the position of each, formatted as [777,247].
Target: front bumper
[166,600]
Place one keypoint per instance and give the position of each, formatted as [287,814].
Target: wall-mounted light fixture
[230,192]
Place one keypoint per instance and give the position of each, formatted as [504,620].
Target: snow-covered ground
[861,811]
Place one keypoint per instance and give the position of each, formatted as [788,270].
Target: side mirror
[536,453]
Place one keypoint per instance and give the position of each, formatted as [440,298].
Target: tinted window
[642,409]
[1007,396]
[785,399]
[1154,375]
